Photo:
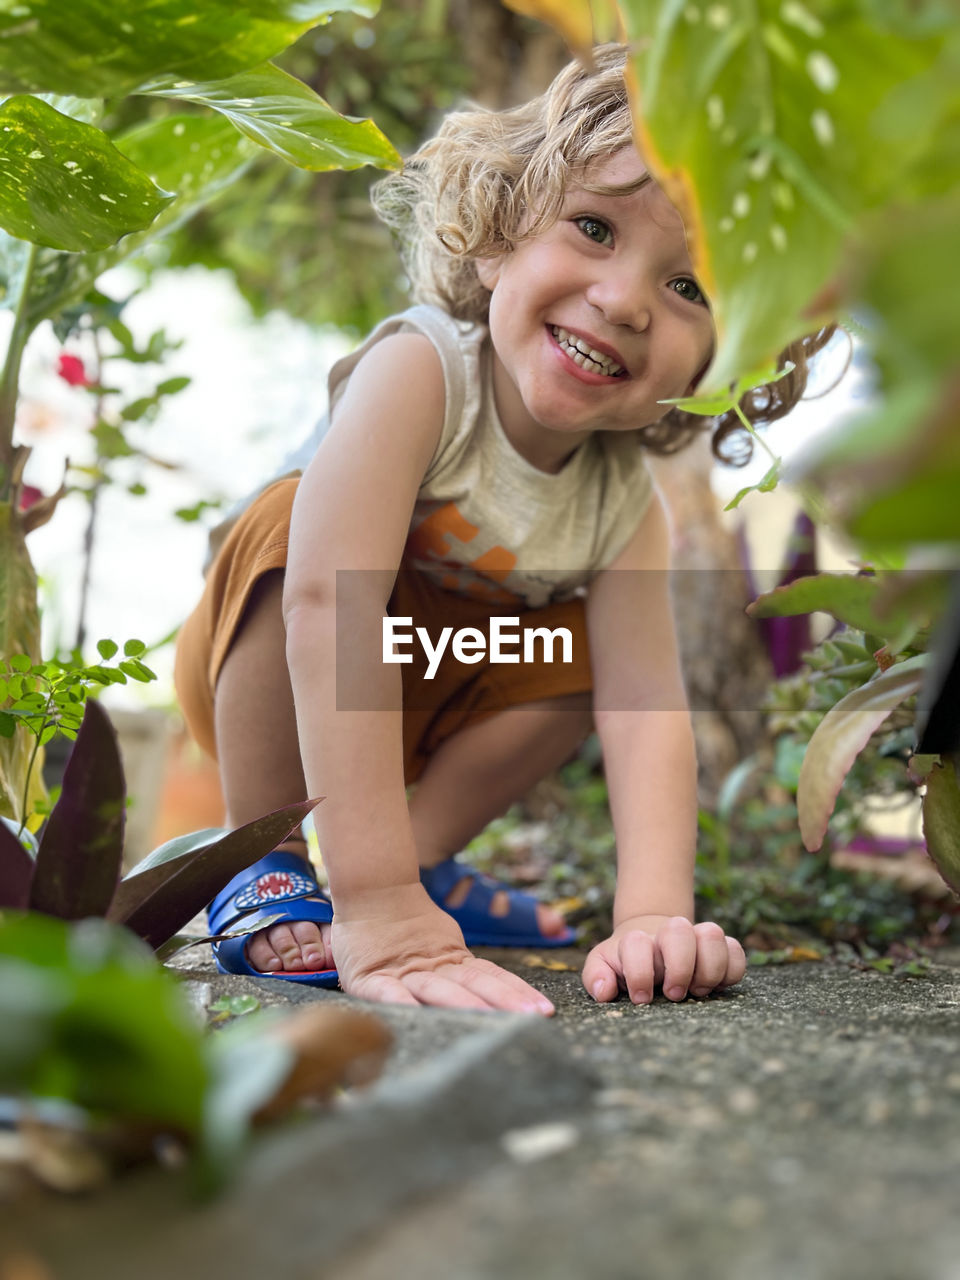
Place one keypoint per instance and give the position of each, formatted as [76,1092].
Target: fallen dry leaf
[556,966]
[331,1047]
[796,954]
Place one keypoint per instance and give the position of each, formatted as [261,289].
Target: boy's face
[612,276]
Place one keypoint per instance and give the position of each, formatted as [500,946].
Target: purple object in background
[787,638]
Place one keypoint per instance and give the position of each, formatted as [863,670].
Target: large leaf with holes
[195,156]
[105,48]
[65,185]
[892,474]
[582,23]
[284,115]
[756,117]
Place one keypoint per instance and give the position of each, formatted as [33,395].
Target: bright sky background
[258,386]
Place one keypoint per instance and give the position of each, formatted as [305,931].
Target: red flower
[28,496]
[70,369]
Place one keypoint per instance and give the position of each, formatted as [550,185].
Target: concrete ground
[804,1126]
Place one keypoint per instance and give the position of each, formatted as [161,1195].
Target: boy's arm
[641,716]
[350,522]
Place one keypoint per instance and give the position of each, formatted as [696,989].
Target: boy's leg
[259,757]
[473,777]
[480,771]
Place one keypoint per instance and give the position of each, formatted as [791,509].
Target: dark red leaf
[16,871]
[158,902]
[78,865]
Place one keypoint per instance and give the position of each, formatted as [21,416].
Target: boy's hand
[396,946]
[649,951]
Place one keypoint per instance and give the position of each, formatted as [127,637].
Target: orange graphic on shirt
[431,541]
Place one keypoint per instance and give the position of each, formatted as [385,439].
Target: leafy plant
[47,698]
[80,195]
[881,684]
[75,871]
[102,1056]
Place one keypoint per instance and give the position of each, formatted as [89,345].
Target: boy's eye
[595,229]
[688,289]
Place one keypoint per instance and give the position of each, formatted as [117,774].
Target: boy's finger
[711,966]
[501,990]
[600,978]
[678,948]
[636,964]
[460,988]
[736,963]
[381,989]
[511,980]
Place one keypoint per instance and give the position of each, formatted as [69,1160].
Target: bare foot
[291,948]
[549,922]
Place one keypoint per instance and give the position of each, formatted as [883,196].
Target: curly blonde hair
[490,179]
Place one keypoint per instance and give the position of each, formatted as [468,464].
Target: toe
[550,923]
[261,954]
[314,948]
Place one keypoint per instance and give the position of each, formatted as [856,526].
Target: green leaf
[98,49]
[284,115]
[65,185]
[90,1017]
[138,671]
[176,848]
[106,648]
[78,866]
[134,648]
[848,597]
[235,1006]
[757,119]
[171,386]
[941,820]
[196,156]
[842,733]
[765,485]
[136,409]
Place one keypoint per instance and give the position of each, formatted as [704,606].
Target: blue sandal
[281,884]
[518,928]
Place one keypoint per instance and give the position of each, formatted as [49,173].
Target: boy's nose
[622,299]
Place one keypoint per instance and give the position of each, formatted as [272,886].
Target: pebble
[539,1141]
[746,1212]
[743,1101]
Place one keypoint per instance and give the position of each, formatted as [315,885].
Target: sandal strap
[473,914]
[278,878]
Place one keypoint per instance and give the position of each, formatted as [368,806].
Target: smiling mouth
[582,354]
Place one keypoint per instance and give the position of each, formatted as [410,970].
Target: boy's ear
[488,269]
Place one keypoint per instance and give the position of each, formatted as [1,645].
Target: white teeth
[582,354]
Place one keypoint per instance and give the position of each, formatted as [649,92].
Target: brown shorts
[435,709]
